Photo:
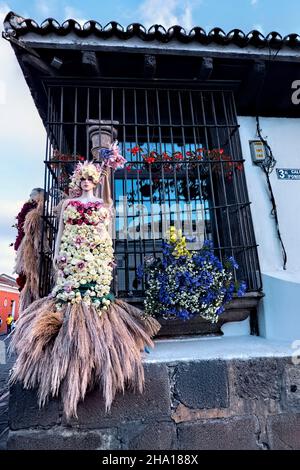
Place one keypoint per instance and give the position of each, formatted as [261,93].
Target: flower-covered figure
[187,283]
[29,245]
[80,335]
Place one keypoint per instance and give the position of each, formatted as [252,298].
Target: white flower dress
[86,256]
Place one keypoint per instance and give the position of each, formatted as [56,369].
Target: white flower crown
[84,171]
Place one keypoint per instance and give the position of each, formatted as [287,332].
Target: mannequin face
[87,184]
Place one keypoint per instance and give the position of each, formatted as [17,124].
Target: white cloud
[43,7]
[167,13]
[8,211]
[18,114]
[254,2]
[75,14]
[4,9]
[7,257]
[22,150]
[259,28]
[187,17]
[3,92]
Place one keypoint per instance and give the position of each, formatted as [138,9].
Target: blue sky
[22,137]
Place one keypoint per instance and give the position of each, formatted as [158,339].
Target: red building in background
[9,299]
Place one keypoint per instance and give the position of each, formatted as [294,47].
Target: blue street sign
[288,173]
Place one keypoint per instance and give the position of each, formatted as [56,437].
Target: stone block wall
[208,404]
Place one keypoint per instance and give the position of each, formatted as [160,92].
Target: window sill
[217,347]
[239,309]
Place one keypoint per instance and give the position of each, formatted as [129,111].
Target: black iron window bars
[184,167]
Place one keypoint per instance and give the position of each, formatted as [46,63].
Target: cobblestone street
[4,371]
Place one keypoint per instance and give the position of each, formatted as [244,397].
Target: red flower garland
[27,207]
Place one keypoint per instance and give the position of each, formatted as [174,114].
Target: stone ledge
[128,406]
[284,431]
[63,439]
[197,348]
[238,309]
[148,436]
[257,378]
[202,404]
[202,384]
[24,411]
[292,387]
[236,433]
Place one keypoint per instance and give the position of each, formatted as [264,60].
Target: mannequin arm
[106,188]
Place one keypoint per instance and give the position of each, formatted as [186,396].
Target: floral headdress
[109,157]
[84,171]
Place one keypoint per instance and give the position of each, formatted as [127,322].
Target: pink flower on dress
[62,259]
[81,265]
[79,240]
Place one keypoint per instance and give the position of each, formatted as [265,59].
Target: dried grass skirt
[73,350]
[28,256]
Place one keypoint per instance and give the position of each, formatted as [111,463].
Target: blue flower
[220,310]
[233,262]
[242,289]
[171,311]
[105,153]
[177,287]
[207,245]
[140,271]
[184,279]
[209,297]
[184,314]
[206,279]
[219,266]
[229,293]
[198,259]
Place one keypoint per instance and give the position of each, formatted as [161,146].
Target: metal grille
[170,178]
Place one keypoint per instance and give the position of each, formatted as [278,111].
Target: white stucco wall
[279,315]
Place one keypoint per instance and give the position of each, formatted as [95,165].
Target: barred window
[184,167]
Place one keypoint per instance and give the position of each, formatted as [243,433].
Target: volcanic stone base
[215,404]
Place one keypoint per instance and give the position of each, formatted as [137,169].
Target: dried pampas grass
[73,350]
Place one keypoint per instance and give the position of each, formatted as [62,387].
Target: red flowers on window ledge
[175,161]
[66,157]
